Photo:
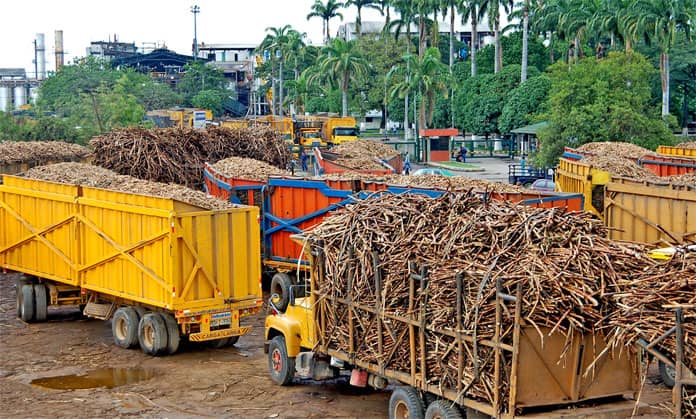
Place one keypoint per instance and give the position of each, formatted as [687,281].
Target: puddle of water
[103,377]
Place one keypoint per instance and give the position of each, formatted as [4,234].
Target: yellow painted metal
[676,151]
[155,251]
[577,177]
[650,212]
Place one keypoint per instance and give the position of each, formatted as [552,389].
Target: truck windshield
[346,131]
[311,135]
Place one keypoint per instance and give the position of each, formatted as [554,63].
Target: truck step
[100,311]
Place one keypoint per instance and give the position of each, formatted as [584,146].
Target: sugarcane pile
[97,177]
[365,147]
[244,168]
[567,269]
[686,179]
[456,183]
[173,155]
[619,166]
[691,145]
[619,149]
[40,152]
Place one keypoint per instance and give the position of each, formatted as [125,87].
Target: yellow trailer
[650,212]
[162,269]
[576,177]
[666,150]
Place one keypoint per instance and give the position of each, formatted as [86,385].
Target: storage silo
[40,56]
[20,96]
[5,98]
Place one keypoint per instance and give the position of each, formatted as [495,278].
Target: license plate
[221,319]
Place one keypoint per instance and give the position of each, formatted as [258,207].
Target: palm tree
[659,21]
[276,41]
[575,21]
[359,4]
[429,76]
[610,20]
[471,12]
[384,8]
[454,6]
[342,64]
[326,12]
[406,18]
[492,9]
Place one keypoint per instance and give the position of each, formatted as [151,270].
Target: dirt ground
[196,382]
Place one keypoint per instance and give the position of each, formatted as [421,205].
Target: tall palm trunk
[421,37]
[474,39]
[664,76]
[358,23]
[273,89]
[576,49]
[280,93]
[451,62]
[344,95]
[408,74]
[525,37]
[328,32]
[552,56]
[496,32]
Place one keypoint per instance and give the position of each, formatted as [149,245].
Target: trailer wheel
[280,285]
[667,373]
[152,334]
[232,340]
[26,306]
[280,365]
[124,327]
[141,311]
[21,281]
[442,409]
[217,343]
[173,336]
[406,403]
[41,307]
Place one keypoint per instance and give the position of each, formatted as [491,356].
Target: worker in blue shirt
[304,158]
[407,164]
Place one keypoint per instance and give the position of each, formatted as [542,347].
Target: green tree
[659,21]
[198,77]
[209,99]
[360,4]
[341,63]
[601,100]
[326,12]
[512,54]
[523,102]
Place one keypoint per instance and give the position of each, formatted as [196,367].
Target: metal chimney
[40,57]
[59,50]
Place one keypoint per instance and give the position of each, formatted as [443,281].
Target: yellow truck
[338,130]
[297,346]
[159,268]
[180,117]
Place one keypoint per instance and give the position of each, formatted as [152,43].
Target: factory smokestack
[40,57]
[59,50]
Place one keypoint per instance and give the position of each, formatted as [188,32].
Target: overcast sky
[148,21]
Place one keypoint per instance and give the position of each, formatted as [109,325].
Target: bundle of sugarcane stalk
[251,169]
[616,149]
[178,155]
[97,177]
[40,152]
[566,270]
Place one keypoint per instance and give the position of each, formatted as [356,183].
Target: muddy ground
[196,382]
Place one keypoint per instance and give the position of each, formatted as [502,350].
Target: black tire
[21,281]
[232,340]
[142,311]
[217,343]
[26,308]
[443,409]
[152,334]
[280,365]
[667,373]
[124,327]
[41,303]
[173,337]
[280,284]
[405,402]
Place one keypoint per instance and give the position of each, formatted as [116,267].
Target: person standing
[407,163]
[304,158]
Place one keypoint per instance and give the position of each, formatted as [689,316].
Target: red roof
[439,132]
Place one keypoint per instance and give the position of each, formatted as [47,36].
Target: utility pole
[36,61]
[195,10]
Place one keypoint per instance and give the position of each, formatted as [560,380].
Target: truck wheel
[280,365]
[152,334]
[141,311]
[442,409]
[667,373]
[406,403]
[217,343]
[280,284]
[26,307]
[173,337]
[232,340]
[21,281]
[124,327]
[41,307]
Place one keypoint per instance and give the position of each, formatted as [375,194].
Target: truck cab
[340,135]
